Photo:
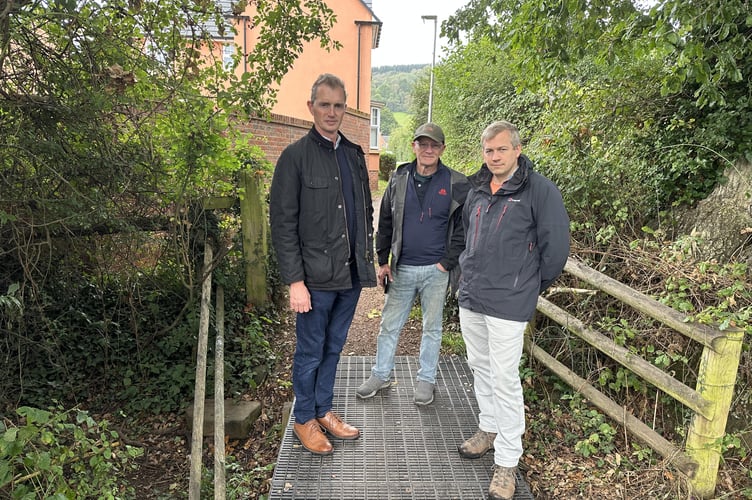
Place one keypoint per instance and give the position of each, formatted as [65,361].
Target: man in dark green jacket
[321,216]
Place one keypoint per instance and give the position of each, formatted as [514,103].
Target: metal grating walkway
[405,451]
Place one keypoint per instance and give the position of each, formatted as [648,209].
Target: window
[228,51]
[375,127]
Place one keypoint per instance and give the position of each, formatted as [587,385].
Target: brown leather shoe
[335,426]
[312,437]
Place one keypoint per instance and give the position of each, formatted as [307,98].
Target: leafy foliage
[115,123]
[705,43]
[393,85]
[655,101]
[62,454]
[473,88]
[388,122]
[387,164]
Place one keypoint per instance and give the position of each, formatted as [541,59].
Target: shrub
[62,454]
[387,164]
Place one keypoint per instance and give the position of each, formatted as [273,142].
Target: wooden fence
[254,234]
[254,225]
[710,400]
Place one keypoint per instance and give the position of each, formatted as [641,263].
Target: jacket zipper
[530,247]
[477,228]
[501,216]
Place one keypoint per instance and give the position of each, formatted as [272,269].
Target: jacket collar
[480,179]
[413,167]
[326,143]
[320,139]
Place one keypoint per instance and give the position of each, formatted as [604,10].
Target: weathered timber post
[194,487]
[253,228]
[715,382]
[220,487]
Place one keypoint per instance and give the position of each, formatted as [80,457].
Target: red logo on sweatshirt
[442,192]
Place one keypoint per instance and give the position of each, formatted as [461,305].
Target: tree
[653,100]
[388,123]
[708,40]
[472,88]
[393,84]
[111,122]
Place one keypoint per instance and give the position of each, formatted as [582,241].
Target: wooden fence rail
[710,400]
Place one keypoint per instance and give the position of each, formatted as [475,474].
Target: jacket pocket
[316,182]
[317,264]
[315,207]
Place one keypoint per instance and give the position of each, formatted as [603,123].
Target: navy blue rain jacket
[516,243]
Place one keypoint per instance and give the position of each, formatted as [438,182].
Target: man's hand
[300,299]
[384,271]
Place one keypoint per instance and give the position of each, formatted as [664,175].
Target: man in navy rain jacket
[516,245]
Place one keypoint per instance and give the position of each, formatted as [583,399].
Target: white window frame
[375,127]
[228,53]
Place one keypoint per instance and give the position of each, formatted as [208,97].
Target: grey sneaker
[477,445]
[423,393]
[502,483]
[370,387]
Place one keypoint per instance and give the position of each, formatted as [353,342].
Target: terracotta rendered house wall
[357,30]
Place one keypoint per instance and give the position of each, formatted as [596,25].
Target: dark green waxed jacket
[308,219]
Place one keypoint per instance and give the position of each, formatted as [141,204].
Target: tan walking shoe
[312,437]
[477,445]
[337,427]
[502,483]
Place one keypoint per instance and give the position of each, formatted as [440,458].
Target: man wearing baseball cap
[420,228]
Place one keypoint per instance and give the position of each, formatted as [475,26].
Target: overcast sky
[405,37]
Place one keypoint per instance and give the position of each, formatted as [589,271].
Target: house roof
[376,23]
[225,7]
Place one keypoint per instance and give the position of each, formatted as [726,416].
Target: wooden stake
[194,489]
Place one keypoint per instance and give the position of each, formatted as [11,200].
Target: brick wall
[275,135]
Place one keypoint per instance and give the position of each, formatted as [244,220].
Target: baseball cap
[430,130]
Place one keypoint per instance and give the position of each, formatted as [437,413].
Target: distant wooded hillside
[394,85]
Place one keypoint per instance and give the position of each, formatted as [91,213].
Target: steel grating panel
[405,451]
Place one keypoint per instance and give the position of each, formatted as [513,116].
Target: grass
[403,118]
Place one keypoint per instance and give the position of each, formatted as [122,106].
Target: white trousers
[494,350]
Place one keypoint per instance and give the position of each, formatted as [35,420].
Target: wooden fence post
[253,217]
[715,382]
[194,483]
[220,485]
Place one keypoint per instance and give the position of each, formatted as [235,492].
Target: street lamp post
[433,62]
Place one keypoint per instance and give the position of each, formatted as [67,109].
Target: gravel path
[361,339]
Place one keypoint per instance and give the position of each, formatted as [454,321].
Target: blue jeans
[431,283]
[320,335]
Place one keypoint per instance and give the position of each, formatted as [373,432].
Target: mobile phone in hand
[386,283]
